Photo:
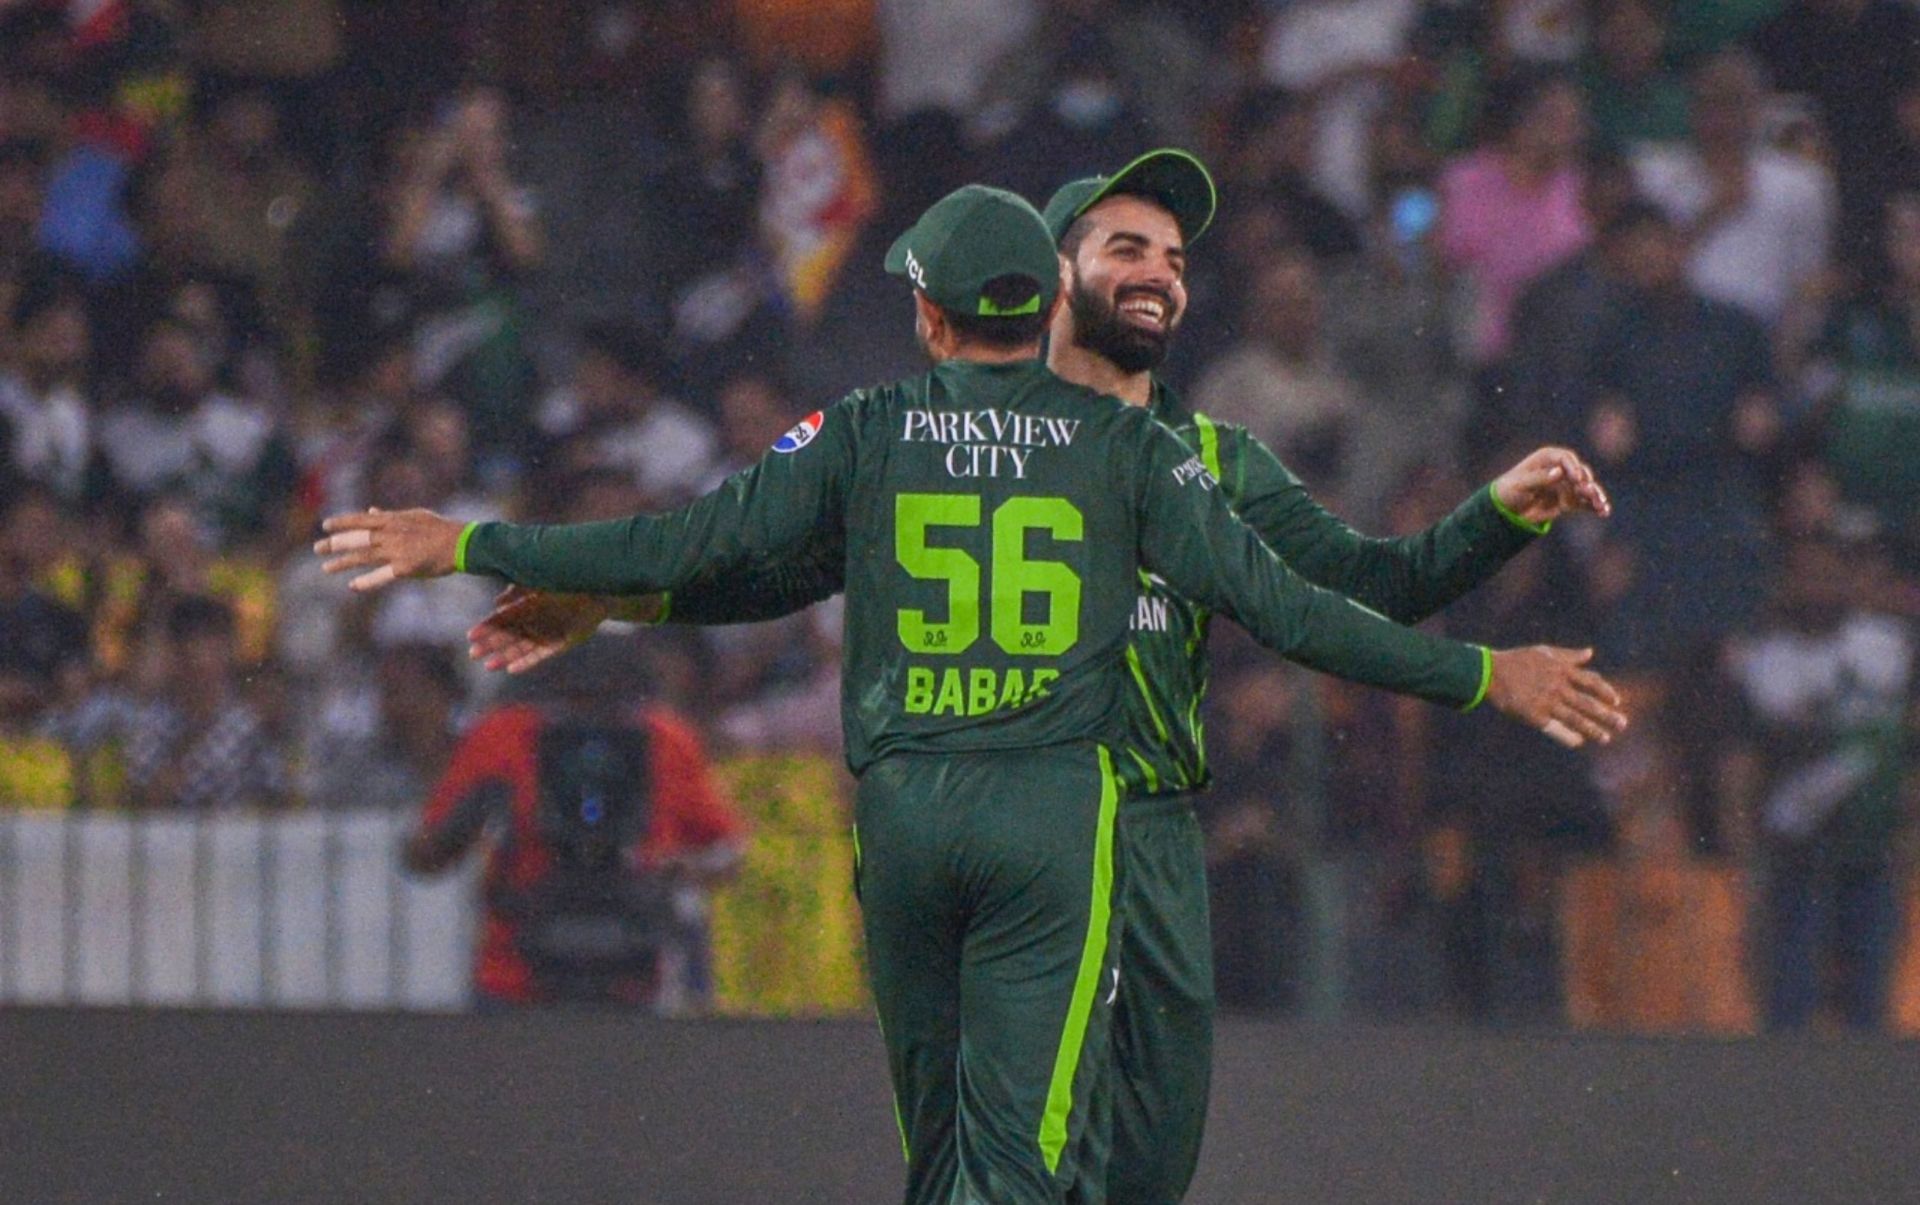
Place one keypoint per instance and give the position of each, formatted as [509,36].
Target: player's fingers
[1563,734]
[371,520]
[353,560]
[1578,721]
[346,541]
[1572,656]
[381,577]
[1590,683]
[539,654]
[486,640]
[503,657]
[1594,708]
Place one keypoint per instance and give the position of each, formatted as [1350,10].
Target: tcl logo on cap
[802,433]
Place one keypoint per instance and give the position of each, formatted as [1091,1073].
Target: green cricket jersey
[992,521]
[1406,579]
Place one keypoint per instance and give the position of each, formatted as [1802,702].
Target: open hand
[1549,689]
[1549,483]
[526,627]
[392,544]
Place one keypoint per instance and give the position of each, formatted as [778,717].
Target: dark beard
[1098,327]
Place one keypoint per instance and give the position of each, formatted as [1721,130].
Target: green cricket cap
[973,235]
[1174,178]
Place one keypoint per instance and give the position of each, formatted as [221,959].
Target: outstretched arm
[754,517]
[527,627]
[1191,537]
[1412,577]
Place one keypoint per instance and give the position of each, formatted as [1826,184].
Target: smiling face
[1127,285]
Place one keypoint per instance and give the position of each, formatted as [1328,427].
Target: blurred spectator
[1632,96]
[203,746]
[1339,55]
[173,275]
[1082,116]
[595,811]
[1852,58]
[52,547]
[1540,31]
[1254,851]
[46,641]
[252,194]
[786,678]
[819,193]
[176,560]
[46,415]
[1507,807]
[1866,375]
[289,48]
[1272,158]
[463,231]
[1088,65]
[402,737]
[181,433]
[1760,221]
[614,415]
[437,435]
[1560,316]
[1684,414]
[348,423]
[23,189]
[42,663]
[1391,318]
[937,55]
[709,192]
[1282,381]
[1511,210]
[1824,689]
[756,408]
[121,66]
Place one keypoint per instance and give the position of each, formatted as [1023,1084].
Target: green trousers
[1163,1021]
[987,887]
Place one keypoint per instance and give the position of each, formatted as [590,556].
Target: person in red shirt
[600,815]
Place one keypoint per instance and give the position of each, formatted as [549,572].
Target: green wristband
[1538,529]
[1486,679]
[460,547]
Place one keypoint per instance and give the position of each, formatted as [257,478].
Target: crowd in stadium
[263,260]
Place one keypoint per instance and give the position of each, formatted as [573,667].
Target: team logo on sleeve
[802,433]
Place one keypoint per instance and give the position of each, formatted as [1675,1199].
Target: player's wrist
[1512,510]
[460,543]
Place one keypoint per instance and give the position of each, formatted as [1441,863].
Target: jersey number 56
[1014,574]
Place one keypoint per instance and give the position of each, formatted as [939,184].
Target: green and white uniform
[991,523]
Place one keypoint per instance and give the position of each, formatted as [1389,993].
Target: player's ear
[930,324]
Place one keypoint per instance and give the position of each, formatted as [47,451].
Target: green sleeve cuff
[1486,679]
[460,547]
[1538,529]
